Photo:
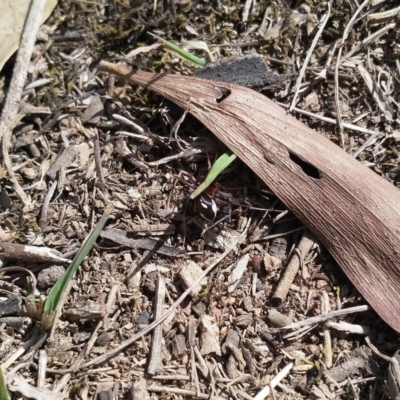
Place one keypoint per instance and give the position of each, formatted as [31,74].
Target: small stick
[246,10]
[97,159]
[327,333]
[324,317]
[369,39]
[333,121]
[192,343]
[155,362]
[45,208]
[42,364]
[349,328]
[344,37]
[22,252]
[383,16]
[305,245]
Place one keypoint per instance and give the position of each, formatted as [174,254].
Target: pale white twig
[324,317]
[366,144]
[349,328]
[323,22]
[383,16]
[11,105]
[337,100]
[333,121]
[277,379]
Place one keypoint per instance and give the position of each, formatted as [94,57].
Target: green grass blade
[221,164]
[57,290]
[227,158]
[199,62]
[4,394]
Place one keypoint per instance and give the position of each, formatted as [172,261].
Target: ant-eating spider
[205,205]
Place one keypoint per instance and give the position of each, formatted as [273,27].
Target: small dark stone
[143,318]
[248,304]
[231,338]
[178,345]
[11,306]
[49,276]
[104,338]
[199,309]
[244,320]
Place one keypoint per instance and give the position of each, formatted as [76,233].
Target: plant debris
[166,304]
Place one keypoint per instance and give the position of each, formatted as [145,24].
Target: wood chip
[209,337]
[189,274]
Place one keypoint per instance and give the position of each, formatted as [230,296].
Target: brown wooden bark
[353,211]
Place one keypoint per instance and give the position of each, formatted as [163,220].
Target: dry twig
[11,106]
[337,99]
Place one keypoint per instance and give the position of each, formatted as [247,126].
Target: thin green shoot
[227,158]
[4,394]
[58,289]
[199,62]
[220,165]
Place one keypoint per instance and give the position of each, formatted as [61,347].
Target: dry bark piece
[178,346]
[65,158]
[85,312]
[94,111]
[244,320]
[189,274]
[232,338]
[139,391]
[21,386]
[354,212]
[271,262]
[231,368]
[104,395]
[357,359]
[17,323]
[237,273]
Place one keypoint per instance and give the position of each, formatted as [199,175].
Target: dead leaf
[12,20]
[354,212]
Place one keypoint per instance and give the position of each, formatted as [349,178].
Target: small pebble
[49,276]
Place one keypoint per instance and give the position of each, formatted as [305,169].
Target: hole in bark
[307,168]
[268,158]
[225,94]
